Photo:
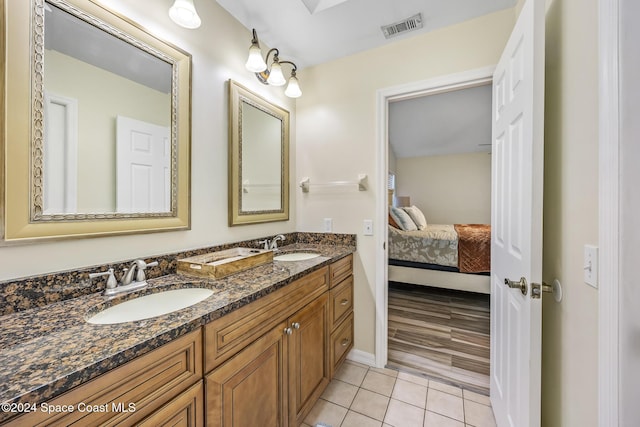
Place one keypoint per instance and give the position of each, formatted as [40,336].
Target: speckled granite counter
[47,350]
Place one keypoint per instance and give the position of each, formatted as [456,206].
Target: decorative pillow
[402,219]
[392,222]
[417,216]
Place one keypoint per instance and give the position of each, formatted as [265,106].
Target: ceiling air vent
[409,24]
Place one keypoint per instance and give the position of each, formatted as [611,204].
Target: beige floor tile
[354,419]
[414,394]
[456,391]
[431,419]
[379,383]
[386,371]
[340,393]
[445,404]
[478,415]
[351,373]
[362,365]
[326,413]
[401,414]
[371,404]
[413,378]
[475,397]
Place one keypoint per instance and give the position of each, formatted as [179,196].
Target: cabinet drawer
[146,383]
[187,409]
[340,270]
[227,335]
[341,343]
[340,302]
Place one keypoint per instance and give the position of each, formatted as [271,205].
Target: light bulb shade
[255,63]
[183,13]
[293,88]
[276,78]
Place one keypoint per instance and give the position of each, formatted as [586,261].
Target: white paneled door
[143,176]
[516,248]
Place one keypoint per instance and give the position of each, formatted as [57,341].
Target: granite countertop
[48,350]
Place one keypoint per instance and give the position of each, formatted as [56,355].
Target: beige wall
[452,189]
[219,48]
[570,339]
[336,130]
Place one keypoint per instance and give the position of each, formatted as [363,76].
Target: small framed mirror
[258,158]
[101,144]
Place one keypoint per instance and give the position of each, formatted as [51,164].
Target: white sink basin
[151,305]
[295,256]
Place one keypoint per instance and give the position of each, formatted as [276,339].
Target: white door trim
[432,86]
[608,215]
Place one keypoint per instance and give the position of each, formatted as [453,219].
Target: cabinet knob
[344,302]
[295,325]
[345,342]
[288,331]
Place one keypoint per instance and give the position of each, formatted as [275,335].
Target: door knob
[521,284]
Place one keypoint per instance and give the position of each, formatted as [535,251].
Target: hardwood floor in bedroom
[440,334]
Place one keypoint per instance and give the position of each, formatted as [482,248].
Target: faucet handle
[264,242]
[140,274]
[111,281]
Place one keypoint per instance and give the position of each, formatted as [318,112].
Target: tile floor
[360,396]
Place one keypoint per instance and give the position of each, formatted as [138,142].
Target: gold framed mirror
[258,158]
[96,122]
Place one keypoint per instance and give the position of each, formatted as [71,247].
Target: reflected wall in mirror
[258,158]
[105,133]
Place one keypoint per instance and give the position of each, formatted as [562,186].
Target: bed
[452,256]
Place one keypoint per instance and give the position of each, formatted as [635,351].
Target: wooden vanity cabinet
[341,312]
[274,377]
[131,393]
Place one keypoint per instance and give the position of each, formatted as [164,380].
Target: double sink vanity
[256,347]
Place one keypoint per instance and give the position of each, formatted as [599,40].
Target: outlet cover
[327,225]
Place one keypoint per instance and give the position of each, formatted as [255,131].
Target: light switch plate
[591,265]
[368,227]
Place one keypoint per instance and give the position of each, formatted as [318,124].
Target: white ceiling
[447,123]
[310,32]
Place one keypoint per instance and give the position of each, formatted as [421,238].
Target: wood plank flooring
[440,334]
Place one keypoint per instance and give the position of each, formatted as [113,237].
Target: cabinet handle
[345,342]
[288,331]
[295,325]
[344,302]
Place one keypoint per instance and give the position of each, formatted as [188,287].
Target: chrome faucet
[274,242]
[127,282]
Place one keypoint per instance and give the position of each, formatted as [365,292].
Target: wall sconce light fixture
[183,13]
[273,75]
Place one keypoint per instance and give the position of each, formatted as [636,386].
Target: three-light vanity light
[183,13]
[272,75]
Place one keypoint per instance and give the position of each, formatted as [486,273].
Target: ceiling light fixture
[271,75]
[183,13]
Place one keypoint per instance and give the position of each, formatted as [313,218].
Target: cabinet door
[250,389]
[308,358]
[184,410]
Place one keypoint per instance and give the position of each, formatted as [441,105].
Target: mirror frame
[237,95]
[21,124]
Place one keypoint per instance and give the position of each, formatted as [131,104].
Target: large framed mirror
[96,118]
[258,158]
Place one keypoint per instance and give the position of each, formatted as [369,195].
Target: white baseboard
[363,357]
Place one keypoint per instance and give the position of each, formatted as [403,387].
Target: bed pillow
[403,219]
[417,216]
[392,222]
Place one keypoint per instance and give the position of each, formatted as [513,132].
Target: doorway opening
[436,322]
